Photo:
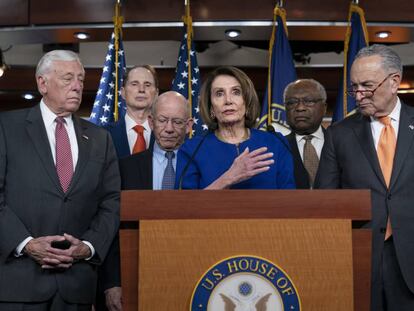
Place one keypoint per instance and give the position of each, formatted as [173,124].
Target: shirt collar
[130,123]
[395,113]
[49,116]
[318,134]
[159,154]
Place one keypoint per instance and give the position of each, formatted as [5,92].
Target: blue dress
[215,157]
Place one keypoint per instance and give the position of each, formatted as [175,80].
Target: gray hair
[319,87]
[391,61]
[45,63]
[169,93]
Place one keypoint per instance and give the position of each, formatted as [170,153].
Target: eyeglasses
[368,93]
[292,103]
[176,122]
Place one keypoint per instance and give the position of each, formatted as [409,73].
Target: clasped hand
[41,250]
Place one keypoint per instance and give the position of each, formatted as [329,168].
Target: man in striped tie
[373,149]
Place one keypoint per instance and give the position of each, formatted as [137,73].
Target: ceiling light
[383,34]
[28,96]
[232,33]
[81,35]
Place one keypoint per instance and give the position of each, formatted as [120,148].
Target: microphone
[191,160]
[271,129]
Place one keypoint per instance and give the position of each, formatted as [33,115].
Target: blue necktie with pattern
[168,179]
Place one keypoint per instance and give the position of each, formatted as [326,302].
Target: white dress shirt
[132,135]
[377,126]
[159,163]
[317,142]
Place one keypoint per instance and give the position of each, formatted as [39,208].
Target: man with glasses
[153,169]
[170,122]
[305,102]
[373,149]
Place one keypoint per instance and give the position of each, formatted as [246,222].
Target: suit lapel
[364,135]
[404,140]
[84,150]
[301,174]
[35,129]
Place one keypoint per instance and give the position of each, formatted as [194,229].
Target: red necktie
[140,144]
[64,162]
[386,151]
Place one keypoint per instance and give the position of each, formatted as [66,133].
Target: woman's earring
[212,115]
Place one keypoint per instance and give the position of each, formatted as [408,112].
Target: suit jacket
[349,161]
[32,203]
[301,174]
[136,173]
[120,138]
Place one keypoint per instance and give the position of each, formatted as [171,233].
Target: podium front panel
[315,254]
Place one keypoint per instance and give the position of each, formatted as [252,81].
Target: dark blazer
[136,173]
[32,203]
[120,138]
[301,174]
[349,161]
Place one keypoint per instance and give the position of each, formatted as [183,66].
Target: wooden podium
[315,235]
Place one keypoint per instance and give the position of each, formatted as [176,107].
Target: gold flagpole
[278,11]
[118,20]
[353,7]
[189,23]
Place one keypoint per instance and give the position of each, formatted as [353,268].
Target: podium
[173,237]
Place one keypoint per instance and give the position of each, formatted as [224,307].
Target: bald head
[170,120]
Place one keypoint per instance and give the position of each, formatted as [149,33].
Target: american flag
[103,107]
[181,80]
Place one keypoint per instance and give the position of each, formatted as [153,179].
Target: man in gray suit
[59,195]
[373,149]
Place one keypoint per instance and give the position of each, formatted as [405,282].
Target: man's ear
[395,83]
[41,84]
[151,122]
[189,126]
[123,92]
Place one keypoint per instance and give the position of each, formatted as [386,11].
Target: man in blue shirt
[170,122]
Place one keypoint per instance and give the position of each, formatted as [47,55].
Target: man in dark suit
[132,133]
[169,122]
[59,195]
[373,149]
[305,102]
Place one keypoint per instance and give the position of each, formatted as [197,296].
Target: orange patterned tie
[386,151]
[140,142]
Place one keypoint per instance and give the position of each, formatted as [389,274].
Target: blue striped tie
[168,180]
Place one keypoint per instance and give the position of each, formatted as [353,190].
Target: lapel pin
[411,127]
[86,137]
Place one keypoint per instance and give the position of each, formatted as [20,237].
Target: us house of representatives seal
[245,283]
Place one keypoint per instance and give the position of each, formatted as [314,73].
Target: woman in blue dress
[233,154]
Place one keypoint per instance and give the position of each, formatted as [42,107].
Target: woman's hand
[245,166]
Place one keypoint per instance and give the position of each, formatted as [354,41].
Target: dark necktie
[64,162]
[168,179]
[386,152]
[140,142]
[310,159]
